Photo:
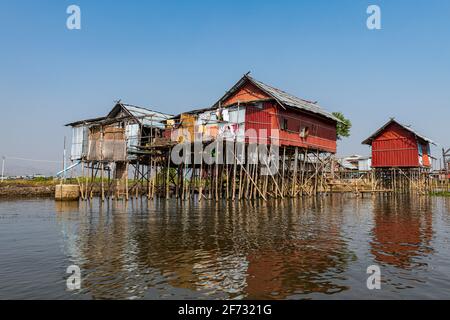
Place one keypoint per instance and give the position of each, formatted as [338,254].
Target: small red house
[398,146]
[301,123]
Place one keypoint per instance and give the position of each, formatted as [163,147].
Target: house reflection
[309,259]
[402,232]
[159,249]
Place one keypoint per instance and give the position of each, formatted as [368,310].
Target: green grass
[29,183]
[441,194]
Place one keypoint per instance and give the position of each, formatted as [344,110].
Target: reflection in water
[403,231]
[216,250]
[309,258]
[290,249]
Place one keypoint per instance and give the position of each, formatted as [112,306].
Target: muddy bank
[32,189]
[26,191]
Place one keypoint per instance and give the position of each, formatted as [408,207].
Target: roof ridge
[135,106]
[146,109]
[290,94]
[283,98]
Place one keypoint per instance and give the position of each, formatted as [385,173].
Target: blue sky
[176,55]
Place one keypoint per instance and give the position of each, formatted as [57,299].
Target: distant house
[115,136]
[355,163]
[446,159]
[395,145]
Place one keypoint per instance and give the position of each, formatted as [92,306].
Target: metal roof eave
[85,122]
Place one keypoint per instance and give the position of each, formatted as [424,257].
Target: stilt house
[116,136]
[395,145]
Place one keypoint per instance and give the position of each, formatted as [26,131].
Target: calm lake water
[296,249]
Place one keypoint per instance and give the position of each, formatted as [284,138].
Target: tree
[343,127]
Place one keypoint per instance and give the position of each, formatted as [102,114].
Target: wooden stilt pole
[294,180]
[103,185]
[167,175]
[126,182]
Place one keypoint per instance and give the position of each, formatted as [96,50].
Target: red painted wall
[396,147]
[322,132]
[259,123]
[248,92]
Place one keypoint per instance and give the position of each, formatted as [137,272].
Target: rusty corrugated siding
[395,147]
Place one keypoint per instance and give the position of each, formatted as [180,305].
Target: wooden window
[284,124]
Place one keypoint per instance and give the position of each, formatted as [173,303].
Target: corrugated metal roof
[292,101]
[146,116]
[283,98]
[408,128]
[193,112]
[85,122]
[346,164]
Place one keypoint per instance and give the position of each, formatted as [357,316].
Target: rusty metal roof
[144,116]
[283,98]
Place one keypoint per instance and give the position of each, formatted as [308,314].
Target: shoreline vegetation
[45,187]
[440,194]
[27,188]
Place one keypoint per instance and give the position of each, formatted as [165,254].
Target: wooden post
[168,175]
[126,182]
[200,187]
[240,171]
[283,171]
[294,181]
[148,178]
[103,186]
[92,181]
[86,181]
[217,170]
[254,183]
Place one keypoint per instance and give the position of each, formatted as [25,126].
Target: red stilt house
[301,123]
[398,146]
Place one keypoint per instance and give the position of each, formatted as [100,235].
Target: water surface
[290,249]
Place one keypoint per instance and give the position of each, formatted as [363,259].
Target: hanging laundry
[219,114]
[225,115]
[205,117]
